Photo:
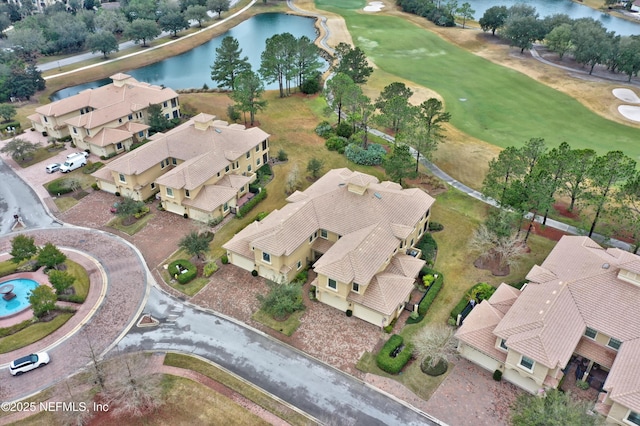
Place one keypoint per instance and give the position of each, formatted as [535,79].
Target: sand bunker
[374,6]
[626,95]
[630,112]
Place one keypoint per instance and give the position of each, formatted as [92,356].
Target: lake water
[192,69]
[568,7]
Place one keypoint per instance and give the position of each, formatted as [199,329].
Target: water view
[568,7]
[192,69]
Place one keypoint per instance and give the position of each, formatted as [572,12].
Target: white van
[72,163]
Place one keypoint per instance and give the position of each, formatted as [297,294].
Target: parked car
[53,167]
[28,363]
[73,154]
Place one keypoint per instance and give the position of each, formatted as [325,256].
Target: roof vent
[605,266]
[218,130]
[341,184]
[377,195]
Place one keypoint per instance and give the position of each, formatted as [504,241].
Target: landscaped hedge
[324,129]
[372,156]
[337,143]
[386,362]
[252,203]
[59,186]
[92,167]
[209,269]
[185,277]
[432,292]
[7,268]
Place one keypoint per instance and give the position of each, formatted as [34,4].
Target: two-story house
[355,231]
[578,311]
[108,119]
[200,169]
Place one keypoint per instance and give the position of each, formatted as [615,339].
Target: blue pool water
[22,289]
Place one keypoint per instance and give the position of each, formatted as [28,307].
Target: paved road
[16,197]
[322,391]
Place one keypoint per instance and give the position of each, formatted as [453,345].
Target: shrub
[242,211]
[324,129]
[282,155]
[301,277]
[143,211]
[29,266]
[261,216]
[435,227]
[434,289]
[254,273]
[138,144]
[349,312]
[479,292]
[282,300]
[209,269]
[59,186]
[311,85]
[414,315]
[344,129]
[436,370]
[95,186]
[497,375]
[581,384]
[7,268]
[372,156]
[233,114]
[91,167]
[183,277]
[336,143]
[388,328]
[392,365]
[428,279]
[224,259]
[429,248]
[215,221]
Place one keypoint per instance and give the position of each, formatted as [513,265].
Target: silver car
[28,363]
[52,168]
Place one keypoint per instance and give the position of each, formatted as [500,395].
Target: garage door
[107,187]
[479,358]
[368,315]
[241,262]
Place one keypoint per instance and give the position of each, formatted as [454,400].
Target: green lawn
[490,102]
[286,327]
[81,284]
[32,333]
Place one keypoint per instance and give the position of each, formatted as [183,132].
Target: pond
[192,69]
[568,7]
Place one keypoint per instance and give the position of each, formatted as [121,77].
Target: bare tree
[97,374]
[434,344]
[81,398]
[132,389]
[497,253]
[293,180]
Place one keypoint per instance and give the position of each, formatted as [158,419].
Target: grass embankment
[33,333]
[248,391]
[81,284]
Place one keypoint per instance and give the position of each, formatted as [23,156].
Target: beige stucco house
[355,231]
[579,306]
[201,169]
[108,119]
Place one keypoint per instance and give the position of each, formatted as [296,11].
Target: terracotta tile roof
[623,381]
[402,264]
[477,330]
[103,173]
[210,197]
[385,293]
[36,118]
[596,352]
[321,245]
[125,98]
[108,136]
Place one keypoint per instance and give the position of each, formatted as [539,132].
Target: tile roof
[477,330]
[623,381]
[108,136]
[210,197]
[385,293]
[124,96]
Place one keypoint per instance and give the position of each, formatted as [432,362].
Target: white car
[28,363]
[54,167]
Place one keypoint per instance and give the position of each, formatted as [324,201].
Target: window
[122,179]
[175,114]
[225,207]
[264,144]
[169,192]
[162,164]
[324,234]
[242,188]
[130,117]
[590,333]
[167,116]
[332,284]
[311,239]
[248,154]
[141,134]
[503,345]
[88,132]
[45,119]
[119,146]
[299,265]
[257,161]
[226,169]
[174,161]
[356,287]
[526,363]
[237,164]
[164,104]
[633,418]
[75,130]
[257,148]
[153,185]
[266,257]
[186,193]
[249,168]
[218,174]
[614,343]
[174,102]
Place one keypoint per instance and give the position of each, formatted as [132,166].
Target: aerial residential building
[109,119]
[578,312]
[355,231]
[201,169]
